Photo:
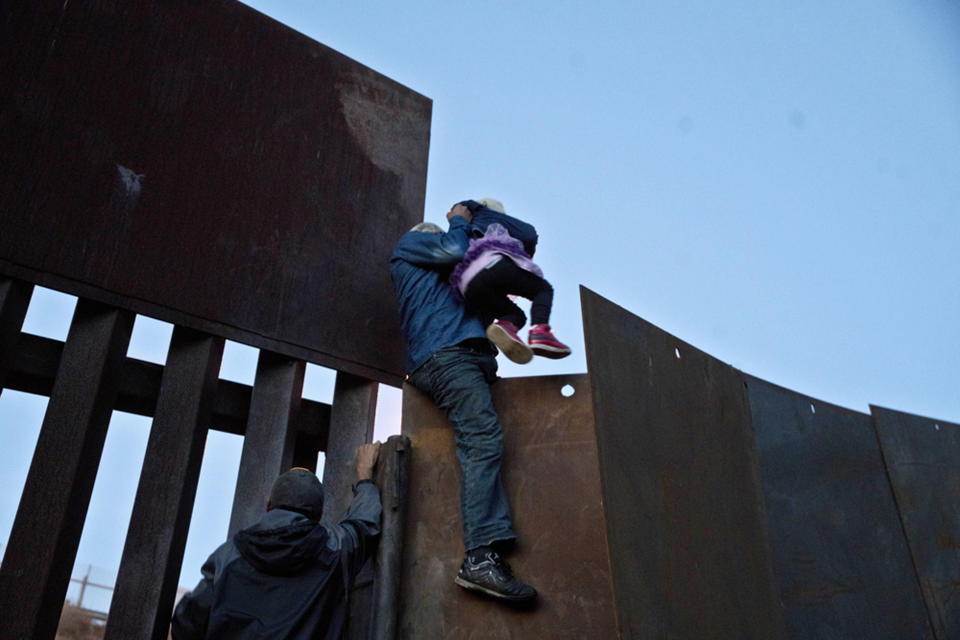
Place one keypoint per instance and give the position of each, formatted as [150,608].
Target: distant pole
[83,586]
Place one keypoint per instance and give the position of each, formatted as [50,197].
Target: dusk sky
[776,183]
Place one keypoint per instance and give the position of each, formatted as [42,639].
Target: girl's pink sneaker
[504,334]
[543,343]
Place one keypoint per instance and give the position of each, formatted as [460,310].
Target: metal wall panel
[201,163]
[923,461]
[684,507]
[841,558]
[553,482]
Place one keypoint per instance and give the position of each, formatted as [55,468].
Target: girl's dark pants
[487,293]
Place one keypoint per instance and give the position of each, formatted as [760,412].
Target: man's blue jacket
[430,314]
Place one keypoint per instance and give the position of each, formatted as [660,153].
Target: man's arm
[192,614]
[366,460]
[361,523]
[437,249]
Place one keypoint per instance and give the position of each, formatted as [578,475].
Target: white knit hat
[492,203]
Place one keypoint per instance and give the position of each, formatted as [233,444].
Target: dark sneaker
[493,577]
[542,343]
[504,334]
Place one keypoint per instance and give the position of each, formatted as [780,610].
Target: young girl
[498,265]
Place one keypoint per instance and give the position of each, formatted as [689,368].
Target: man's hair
[298,490]
[427,227]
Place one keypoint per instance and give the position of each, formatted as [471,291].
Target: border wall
[674,496]
[202,164]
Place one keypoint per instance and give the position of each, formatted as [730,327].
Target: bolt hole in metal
[937,427]
[676,351]
[567,390]
[813,409]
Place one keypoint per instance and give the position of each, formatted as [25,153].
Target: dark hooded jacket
[285,577]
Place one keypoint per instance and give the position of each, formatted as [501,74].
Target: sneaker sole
[549,352]
[471,586]
[516,351]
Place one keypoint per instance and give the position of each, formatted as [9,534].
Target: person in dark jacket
[450,359]
[288,575]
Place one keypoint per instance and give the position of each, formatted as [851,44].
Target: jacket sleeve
[360,525]
[434,249]
[192,614]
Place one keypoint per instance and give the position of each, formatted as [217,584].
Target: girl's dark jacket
[518,229]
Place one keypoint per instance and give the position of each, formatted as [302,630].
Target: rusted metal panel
[552,479]
[46,531]
[684,507]
[203,164]
[153,550]
[842,562]
[923,462]
[270,436]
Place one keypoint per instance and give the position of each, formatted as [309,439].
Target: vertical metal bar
[14,300]
[351,424]
[153,552]
[268,443]
[393,476]
[43,543]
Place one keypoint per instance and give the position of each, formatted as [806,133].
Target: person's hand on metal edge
[367,455]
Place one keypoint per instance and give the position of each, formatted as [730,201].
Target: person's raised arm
[459,211]
[437,249]
[192,614]
[361,522]
[367,455]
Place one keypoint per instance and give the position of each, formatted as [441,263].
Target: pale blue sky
[776,183]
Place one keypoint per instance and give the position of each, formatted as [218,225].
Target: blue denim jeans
[458,379]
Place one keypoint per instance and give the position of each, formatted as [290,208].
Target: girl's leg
[541,340]
[486,295]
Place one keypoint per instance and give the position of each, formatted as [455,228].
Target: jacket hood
[284,543]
